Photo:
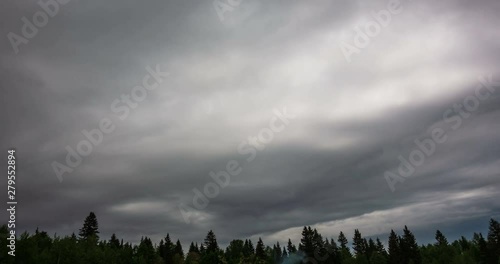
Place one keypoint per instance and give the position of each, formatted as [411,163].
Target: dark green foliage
[234,252]
[493,245]
[409,248]
[260,253]
[40,248]
[358,244]
[291,247]
[211,245]
[211,254]
[306,242]
[90,227]
[394,249]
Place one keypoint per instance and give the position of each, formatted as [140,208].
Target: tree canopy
[40,248]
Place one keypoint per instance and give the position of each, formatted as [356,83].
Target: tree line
[87,247]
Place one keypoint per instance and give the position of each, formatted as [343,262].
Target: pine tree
[441,239]
[114,242]
[482,246]
[90,227]
[193,248]
[193,256]
[202,249]
[167,252]
[394,250]
[248,249]
[211,254]
[284,254]
[380,248]
[277,254]
[178,249]
[145,251]
[342,241]
[211,245]
[345,253]
[307,242]
[291,247]
[358,244]
[260,252]
[331,253]
[371,248]
[409,248]
[493,244]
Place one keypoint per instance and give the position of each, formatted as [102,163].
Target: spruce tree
[90,227]
[409,248]
[114,242]
[358,244]
[394,250]
[168,250]
[342,241]
[380,248]
[290,247]
[260,252]
[307,242]
[493,244]
[211,245]
[178,249]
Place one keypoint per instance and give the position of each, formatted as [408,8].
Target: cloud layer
[326,168]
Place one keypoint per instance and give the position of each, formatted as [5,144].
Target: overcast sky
[349,119]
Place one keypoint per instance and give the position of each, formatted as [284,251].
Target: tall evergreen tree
[146,252]
[307,242]
[193,248]
[358,244]
[409,248]
[342,241]
[371,248]
[90,227]
[260,252]
[178,249]
[248,249]
[394,250]
[277,254]
[380,248]
[345,253]
[493,244]
[441,239]
[211,245]
[482,246]
[193,256]
[211,254]
[290,247]
[284,254]
[114,242]
[168,251]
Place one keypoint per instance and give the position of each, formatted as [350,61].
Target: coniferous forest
[402,248]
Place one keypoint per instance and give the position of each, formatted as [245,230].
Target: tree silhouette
[90,227]
[41,248]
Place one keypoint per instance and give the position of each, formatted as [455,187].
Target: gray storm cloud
[326,168]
